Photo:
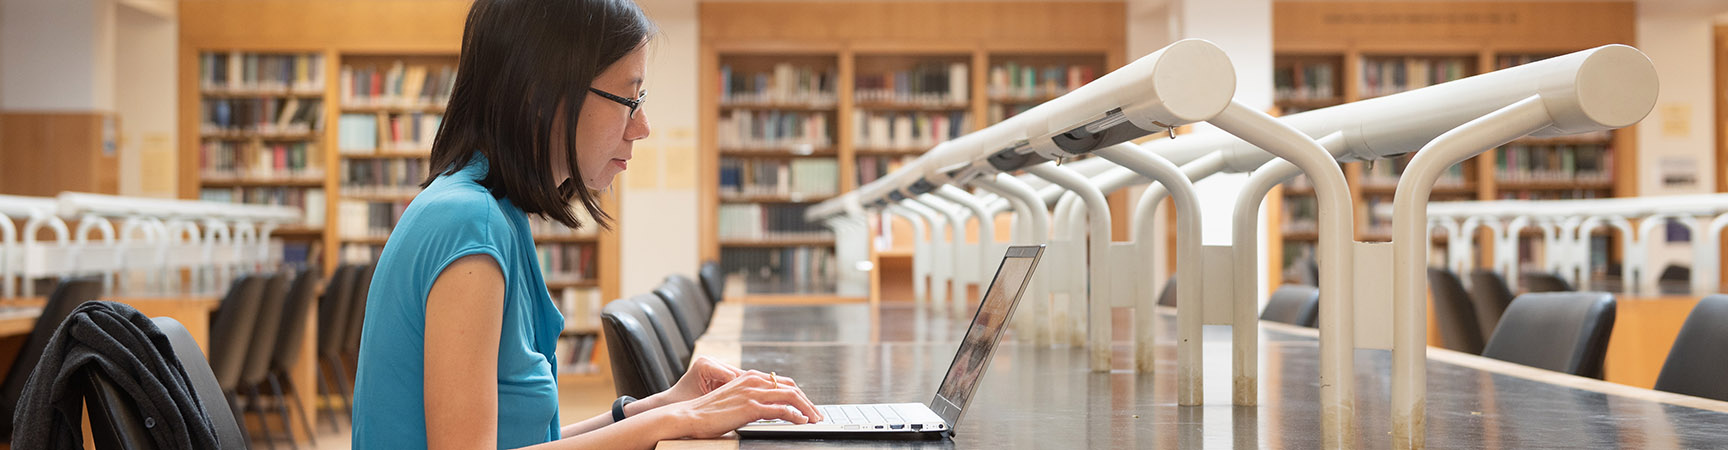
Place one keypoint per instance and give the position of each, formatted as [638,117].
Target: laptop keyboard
[877,417]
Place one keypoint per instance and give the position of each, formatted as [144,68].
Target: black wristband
[618,407]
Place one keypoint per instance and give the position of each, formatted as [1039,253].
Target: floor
[579,398]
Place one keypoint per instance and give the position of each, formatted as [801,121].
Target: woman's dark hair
[524,64]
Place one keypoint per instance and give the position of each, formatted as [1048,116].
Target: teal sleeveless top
[455,217]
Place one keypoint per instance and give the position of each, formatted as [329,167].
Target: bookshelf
[905,77]
[259,125]
[1346,60]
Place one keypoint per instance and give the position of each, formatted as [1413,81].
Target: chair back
[1453,312]
[1490,296]
[1544,282]
[638,359]
[1167,297]
[222,419]
[713,281]
[268,329]
[333,310]
[666,328]
[1559,331]
[1699,357]
[61,302]
[232,330]
[683,303]
[294,313]
[357,309]
[1293,304]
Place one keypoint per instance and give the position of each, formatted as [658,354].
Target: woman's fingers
[779,411]
[786,396]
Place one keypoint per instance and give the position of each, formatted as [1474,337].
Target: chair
[698,298]
[666,328]
[1674,280]
[638,359]
[255,364]
[286,356]
[1544,282]
[713,280]
[231,332]
[1699,357]
[1489,295]
[61,302]
[1167,297]
[1559,331]
[691,321]
[357,310]
[114,418]
[332,315]
[1293,304]
[1453,312]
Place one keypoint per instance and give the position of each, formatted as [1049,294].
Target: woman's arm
[464,322]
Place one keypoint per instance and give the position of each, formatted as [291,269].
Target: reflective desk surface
[1040,397]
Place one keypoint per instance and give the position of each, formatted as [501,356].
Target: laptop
[942,415]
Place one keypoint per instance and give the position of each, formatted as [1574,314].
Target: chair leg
[324,390]
[239,416]
[294,396]
[263,420]
[282,410]
[342,383]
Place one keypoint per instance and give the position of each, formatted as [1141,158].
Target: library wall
[56,55]
[660,196]
[1678,139]
[145,51]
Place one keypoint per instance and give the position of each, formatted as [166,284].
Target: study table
[1045,397]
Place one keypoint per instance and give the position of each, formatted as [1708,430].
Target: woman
[459,332]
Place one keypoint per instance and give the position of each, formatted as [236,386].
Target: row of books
[575,352]
[787,83]
[901,130]
[261,115]
[872,167]
[581,308]
[399,85]
[1385,76]
[999,112]
[1013,80]
[1505,61]
[1306,81]
[798,177]
[566,263]
[359,253]
[1301,214]
[368,219]
[542,227]
[1385,172]
[1521,162]
[802,270]
[309,200]
[383,176]
[933,83]
[360,133]
[237,71]
[222,160]
[773,129]
[766,222]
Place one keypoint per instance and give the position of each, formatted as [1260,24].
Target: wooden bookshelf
[958,40]
[1327,53]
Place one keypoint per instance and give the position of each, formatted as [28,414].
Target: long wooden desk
[1046,398]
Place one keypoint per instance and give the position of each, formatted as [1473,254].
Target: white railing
[143,245]
[1588,91]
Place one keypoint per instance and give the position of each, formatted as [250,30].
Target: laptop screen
[986,329]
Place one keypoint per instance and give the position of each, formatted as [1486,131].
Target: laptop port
[878,427]
[917,426]
[897,426]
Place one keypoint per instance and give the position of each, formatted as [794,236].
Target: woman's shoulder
[461,207]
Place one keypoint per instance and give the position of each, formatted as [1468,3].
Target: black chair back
[1293,304]
[293,328]
[1490,296]
[66,297]
[1674,280]
[666,328]
[698,297]
[1167,297]
[222,419]
[268,329]
[1544,282]
[357,309]
[1559,331]
[713,281]
[1699,358]
[638,358]
[682,301]
[232,330]
[1453,312]
[333,310]
[115,422]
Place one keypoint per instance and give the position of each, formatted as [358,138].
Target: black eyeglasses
[632,104]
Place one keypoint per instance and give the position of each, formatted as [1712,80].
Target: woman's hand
[746,398]
[704,376]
